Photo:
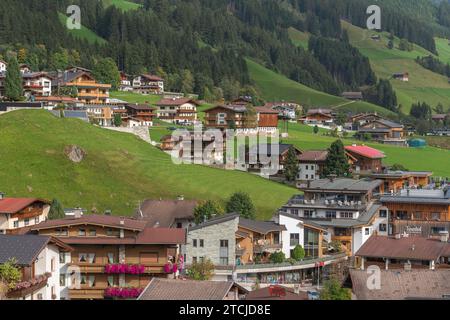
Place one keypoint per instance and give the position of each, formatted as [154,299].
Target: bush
[299,253]
[277,257]
[201,271]
[332,290]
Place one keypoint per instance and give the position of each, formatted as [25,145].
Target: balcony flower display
[171,268]
[33,282]
[124,269]
[123,293]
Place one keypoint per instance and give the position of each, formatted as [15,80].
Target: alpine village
[93,205]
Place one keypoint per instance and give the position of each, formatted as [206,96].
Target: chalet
[87,89]
[51,102]
[17,213]
[100,114]
[286,110]
[35,84]
[402,285]
[38,258]
[196,147]
[418,211]
[3,66]
[24,68]
[318,116]
[311,165]
[148,84]
[12,106]
[138,115]
[404,252]
[75,69]
[256,155]
[368,160]
[267,119]
[384,131]
[402,76]
[395,181]
[361,119]
[117,256]
[346,208]
[242,101]
[178,110]
[354,96]
[126,82]
[440,117]
[168,213]
[165,289]
[228,117]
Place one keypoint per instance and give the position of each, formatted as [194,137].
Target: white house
[3,66]
[38,258]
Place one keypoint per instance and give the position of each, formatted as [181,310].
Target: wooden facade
[88,90]
[223,117]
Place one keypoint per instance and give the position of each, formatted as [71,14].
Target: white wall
[293,226]
[43,265]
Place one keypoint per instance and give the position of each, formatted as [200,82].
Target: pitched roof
[265,110]
[266,149]
[94,219]
[152,77]
[234,108]
[25,248]
[262,227]
[176,102]
[140,107]
[413,248]
[320,110]
[165,289]
[216,220]
[366,151]
[314,156]
[344,184]
[14,205]
[400,285]
[265,294]
[163,213]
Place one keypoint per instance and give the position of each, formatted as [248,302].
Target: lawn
[426,159]
[443,48]
[132,97]
[423,85]
[276,87]
[83,33]
[119,169]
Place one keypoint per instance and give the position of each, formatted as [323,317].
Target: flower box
[124,269]
[123,293]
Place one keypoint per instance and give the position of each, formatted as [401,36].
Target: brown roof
[147,236]
[314,156]
[102,220]
[152,77]
[14,205]
[140,107]
[265,110]
[165,289]
[413,248]
[176,102]
[265,294]
[400,285]
[163,213]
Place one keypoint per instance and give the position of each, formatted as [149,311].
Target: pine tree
[56,211]
[291,167]
[336,163]
[13,81]
[241,203]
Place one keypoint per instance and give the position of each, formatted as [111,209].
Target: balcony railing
[357,205]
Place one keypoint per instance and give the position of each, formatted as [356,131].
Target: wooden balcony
[341,238]
[88,84]
[87,294]
[99,268]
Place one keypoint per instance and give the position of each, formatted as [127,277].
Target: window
[221,118]
[91,257]
[62,257]
[194,243]
[27,222]
[307,176]
[111,282]
[91,281]
[36,220]
[331,214]
[383,213]
[307,167]
[223,253]
[92,233]
[308,213]
[223,261]
[417,215]
[224,243]
[52,264]
[39,296]
[16,224]
[294,211]
[111,258]
[62,232]
[436,230]
[382,227]
[312,177]
[82,232]
[436,216]
[62,280]
[179,225]
[312,167]
[202,243]
[202,259]
[82,257]
[295,239]
[83,279]
[367,231]
[346,215]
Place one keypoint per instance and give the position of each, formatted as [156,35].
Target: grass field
[83,33]
[423,85]
[118,171]
[122,4]
[427,159]
[443,48]
[132,97]
[276,87]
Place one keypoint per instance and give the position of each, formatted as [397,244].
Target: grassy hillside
[83,33]
[122,4]
[118,171]
[132,97]
[443,48]
[276,87]
[428,158]
[423,84]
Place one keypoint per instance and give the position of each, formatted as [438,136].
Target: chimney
[180,198]
[2,195]
[77,213]
[444,236]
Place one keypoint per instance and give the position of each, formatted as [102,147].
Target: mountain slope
[118,171]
